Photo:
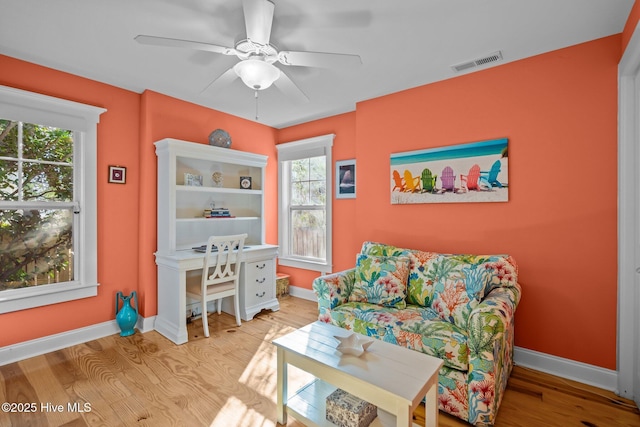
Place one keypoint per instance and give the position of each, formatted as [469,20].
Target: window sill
[25,298]
[322,267]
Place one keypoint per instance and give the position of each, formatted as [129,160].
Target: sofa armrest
[490,341]
[333,290]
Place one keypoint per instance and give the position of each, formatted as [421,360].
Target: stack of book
[217,213]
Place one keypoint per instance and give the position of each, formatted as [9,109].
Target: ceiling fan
[257,55]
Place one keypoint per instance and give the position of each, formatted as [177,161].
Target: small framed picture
[192,180]
[245,182]
[117,174]
[346,179]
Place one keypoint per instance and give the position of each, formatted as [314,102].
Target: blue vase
[127,316]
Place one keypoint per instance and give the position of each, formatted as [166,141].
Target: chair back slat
[222,259]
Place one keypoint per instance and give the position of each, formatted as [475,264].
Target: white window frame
[295,150]
[29,107]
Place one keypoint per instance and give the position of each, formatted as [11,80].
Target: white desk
[257,287]
[389,376]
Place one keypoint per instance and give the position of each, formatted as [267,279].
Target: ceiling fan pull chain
[256,95]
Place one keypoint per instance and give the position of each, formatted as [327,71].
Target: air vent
[494,57]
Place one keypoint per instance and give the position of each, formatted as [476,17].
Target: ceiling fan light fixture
[256,73]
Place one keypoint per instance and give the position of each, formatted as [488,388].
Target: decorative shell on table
[353,344]
[220,138]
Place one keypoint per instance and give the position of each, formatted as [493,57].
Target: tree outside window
[36,205]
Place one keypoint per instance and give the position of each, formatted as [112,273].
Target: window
[48,213]
[304,198]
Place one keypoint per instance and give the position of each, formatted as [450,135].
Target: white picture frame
[193,180]
[346,179]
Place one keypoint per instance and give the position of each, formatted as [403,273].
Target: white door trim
[628,219]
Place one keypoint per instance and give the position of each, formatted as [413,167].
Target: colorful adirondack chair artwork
[474,172]
[397,179]
[448,179]
[470,181]
[428,181]
[491,177]
[411,183]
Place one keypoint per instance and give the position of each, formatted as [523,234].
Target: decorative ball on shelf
[220,138]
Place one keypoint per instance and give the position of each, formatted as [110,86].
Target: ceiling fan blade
[319,59]
[258,17]
[290,89]
[164,41]
[222,80]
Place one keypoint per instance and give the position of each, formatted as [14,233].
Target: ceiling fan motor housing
[248,48]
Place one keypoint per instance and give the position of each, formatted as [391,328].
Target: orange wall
[632,22]
[559,111]
[117,204]
[166,117]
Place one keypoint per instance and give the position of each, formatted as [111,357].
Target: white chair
[220,275]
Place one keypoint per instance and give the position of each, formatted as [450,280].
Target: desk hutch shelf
[181,224]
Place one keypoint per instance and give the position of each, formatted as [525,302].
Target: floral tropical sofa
[459,308]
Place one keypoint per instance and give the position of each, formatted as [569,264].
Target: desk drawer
[259,281]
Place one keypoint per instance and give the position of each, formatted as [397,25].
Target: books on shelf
[218,213]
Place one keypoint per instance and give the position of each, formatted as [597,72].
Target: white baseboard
[145,324]
[303,293]
[566,368]
[36,347]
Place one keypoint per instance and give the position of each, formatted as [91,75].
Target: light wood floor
[229,379]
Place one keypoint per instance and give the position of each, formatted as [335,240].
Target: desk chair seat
[220,275]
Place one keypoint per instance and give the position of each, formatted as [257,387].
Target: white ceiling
[402,43]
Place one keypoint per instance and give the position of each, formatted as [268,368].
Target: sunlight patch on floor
[236,413]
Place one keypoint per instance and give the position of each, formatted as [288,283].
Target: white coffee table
[391,377]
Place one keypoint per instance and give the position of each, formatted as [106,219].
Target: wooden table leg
[282,387]
[431,406]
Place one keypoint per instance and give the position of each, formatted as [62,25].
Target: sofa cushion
[414,327]
[380,249]
[503,271]
[381,280]
[453,285]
